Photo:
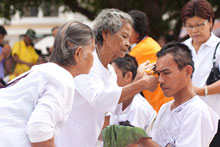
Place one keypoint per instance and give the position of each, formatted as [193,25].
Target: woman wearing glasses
[198,19]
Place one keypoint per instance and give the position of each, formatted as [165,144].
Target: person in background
[198,19]
[35,105]
[98,92]
[54,32]
[145,49]
[24,54]
[5,52]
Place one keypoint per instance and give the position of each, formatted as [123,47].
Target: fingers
[149,69]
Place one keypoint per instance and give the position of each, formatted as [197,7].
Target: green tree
[164,15]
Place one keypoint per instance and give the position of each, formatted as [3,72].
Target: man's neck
[186,94]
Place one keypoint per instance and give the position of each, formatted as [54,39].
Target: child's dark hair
[125,123]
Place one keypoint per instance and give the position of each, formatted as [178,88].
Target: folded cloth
[120,136]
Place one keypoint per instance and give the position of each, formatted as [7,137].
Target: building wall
[40,23]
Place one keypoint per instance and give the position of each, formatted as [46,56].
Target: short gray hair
[70,36]
[109,20]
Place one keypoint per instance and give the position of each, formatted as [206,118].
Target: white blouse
[203,61]
[35,108]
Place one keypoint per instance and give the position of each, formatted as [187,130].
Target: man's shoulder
[16,44]
[197,107]
[197,103]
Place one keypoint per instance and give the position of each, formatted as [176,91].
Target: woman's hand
[143,69]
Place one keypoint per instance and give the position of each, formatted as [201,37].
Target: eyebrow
[198,22]
[164,70]
[125,33]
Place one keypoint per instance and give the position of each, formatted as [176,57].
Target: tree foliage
[164,15]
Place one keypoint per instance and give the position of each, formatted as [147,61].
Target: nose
[127,43]
[160,79]
[194,29]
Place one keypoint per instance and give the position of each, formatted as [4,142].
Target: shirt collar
[211,41]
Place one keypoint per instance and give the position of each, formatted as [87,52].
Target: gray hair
[109,20]
[70,36]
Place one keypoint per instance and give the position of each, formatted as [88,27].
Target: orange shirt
[146,49]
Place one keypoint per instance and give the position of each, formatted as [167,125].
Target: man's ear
[128,77]
[77,55]
[189,70]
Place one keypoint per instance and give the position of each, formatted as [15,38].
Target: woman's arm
[211,89]
[146,83]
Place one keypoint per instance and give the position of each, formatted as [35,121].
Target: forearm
[48,143]
[130,90]
[214,88]
[17,60]
[211,89]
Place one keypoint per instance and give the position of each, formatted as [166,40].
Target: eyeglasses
[197,26]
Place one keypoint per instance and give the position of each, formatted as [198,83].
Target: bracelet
[206,90]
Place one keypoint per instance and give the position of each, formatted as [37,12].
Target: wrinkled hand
[144,68]
[151,82]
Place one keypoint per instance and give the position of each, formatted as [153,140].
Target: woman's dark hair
[3,31]
[200,8]
[141,23]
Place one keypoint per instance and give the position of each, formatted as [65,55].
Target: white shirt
[139,113]
[34,109]
[203,62]
[192,124]
[96,93]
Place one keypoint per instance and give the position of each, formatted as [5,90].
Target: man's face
[27,40]
[54,32]
[134,37]
[172,80]
[2,38]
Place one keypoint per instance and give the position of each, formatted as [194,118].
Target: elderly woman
[34,107]
[198,19]
[98,92]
